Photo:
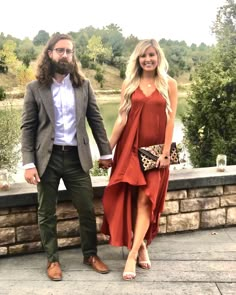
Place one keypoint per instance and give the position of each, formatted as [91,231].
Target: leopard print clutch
[148,155]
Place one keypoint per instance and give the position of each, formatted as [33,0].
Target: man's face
[61,57]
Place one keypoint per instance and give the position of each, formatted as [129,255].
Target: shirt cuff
[106,157]
[28,166]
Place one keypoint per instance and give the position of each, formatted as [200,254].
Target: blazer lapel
[46,96]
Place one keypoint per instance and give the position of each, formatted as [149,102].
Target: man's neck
[59,78]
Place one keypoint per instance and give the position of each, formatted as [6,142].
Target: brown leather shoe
[96,264]
[54,271]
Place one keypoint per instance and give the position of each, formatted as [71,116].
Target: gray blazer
[38,125]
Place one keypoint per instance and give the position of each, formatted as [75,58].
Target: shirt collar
[65,81]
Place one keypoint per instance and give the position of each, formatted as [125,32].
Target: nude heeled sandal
[144,264]
[130,275]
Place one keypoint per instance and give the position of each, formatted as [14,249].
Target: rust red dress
[145,126]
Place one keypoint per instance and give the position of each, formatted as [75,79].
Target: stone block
[69,242]
[66,210]
[27,233]
[7,236]
[229,189]
[16,219]
[25,248]
[171,207]
[228,200]
[199,204]
[213,218]
[3,251]
[205,192]
[98,207]
[231,216]
[99,220]
[183,222]
[162,225]
[176,195]
[68,228]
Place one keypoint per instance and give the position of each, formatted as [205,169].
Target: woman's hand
[105,164]
[163,161]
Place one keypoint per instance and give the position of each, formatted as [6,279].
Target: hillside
[111,74]
[112,78]
[112,82]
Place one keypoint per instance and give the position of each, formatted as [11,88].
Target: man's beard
[62,67]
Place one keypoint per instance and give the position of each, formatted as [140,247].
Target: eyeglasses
[61,51]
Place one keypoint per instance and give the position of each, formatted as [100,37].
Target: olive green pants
[66,166]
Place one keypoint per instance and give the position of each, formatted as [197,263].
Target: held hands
[31,176]
[163,161]
[105,164]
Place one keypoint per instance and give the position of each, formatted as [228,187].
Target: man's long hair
[44,70]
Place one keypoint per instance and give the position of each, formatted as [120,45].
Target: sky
[182,20]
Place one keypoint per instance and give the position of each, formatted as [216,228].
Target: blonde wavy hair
[134,73]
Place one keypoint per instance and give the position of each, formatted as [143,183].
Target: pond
[109,108]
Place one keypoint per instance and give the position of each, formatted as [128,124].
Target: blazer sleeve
[96,123]
[29,126]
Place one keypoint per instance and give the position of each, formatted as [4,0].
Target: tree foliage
[2,93]
[9,138]
[211,118]
[24,75]
[113,49]
[96,50]
[26,52]
[41,38]
[8,55]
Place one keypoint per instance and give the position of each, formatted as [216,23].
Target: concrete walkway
[200,262]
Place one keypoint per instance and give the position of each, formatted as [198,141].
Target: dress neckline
[151,93]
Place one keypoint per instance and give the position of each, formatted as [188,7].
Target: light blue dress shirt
[64,112]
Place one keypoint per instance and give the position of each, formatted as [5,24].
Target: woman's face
[149,60]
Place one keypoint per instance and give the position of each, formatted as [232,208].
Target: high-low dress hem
[145,126]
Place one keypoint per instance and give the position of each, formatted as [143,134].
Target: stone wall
[196,199]
[199,208]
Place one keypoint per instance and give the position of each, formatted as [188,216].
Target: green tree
[211,118]
[96,50]
[112,38]
[129,44]
[8,55]
[41,38]
[26,52]
[99,76]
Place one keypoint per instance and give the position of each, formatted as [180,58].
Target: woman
[133,200]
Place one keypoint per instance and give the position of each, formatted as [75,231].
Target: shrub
[122,71]
[96,171]
[9,138]
[84,60]
[24,74]
[2,93]
[99,76]
[210,119]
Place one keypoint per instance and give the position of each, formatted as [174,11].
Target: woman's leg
[141,226]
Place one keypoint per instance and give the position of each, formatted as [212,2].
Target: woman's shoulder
[171,81]
[125,83]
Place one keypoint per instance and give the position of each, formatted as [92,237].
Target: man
[55,145]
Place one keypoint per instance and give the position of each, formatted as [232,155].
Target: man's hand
[105,164]
[31,176]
